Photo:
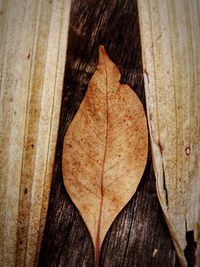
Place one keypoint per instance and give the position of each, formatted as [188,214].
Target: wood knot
[187,151]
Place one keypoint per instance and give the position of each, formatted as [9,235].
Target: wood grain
[138,236]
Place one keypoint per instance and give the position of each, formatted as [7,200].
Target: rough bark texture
[139,235]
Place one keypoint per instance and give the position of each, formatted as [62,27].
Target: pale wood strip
[170,34]
[32,61]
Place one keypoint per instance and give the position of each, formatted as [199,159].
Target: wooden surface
[139,235]
[170,33]
[32,60]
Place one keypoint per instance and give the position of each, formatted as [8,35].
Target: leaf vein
[124,158]
[76,142]
[117,178]
[82,184]
[92,129]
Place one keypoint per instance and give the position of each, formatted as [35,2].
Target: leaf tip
[102,49]
[102,54]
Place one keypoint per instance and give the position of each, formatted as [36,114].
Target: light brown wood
[170,34]
[32,60]
[105,149]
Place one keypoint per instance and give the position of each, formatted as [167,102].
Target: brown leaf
[105,149]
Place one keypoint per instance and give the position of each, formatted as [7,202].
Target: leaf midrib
[97,249]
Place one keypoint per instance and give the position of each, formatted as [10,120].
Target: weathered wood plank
[138,236]
[170,33]
[32,61]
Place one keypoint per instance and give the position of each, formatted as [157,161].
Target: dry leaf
[105,149]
